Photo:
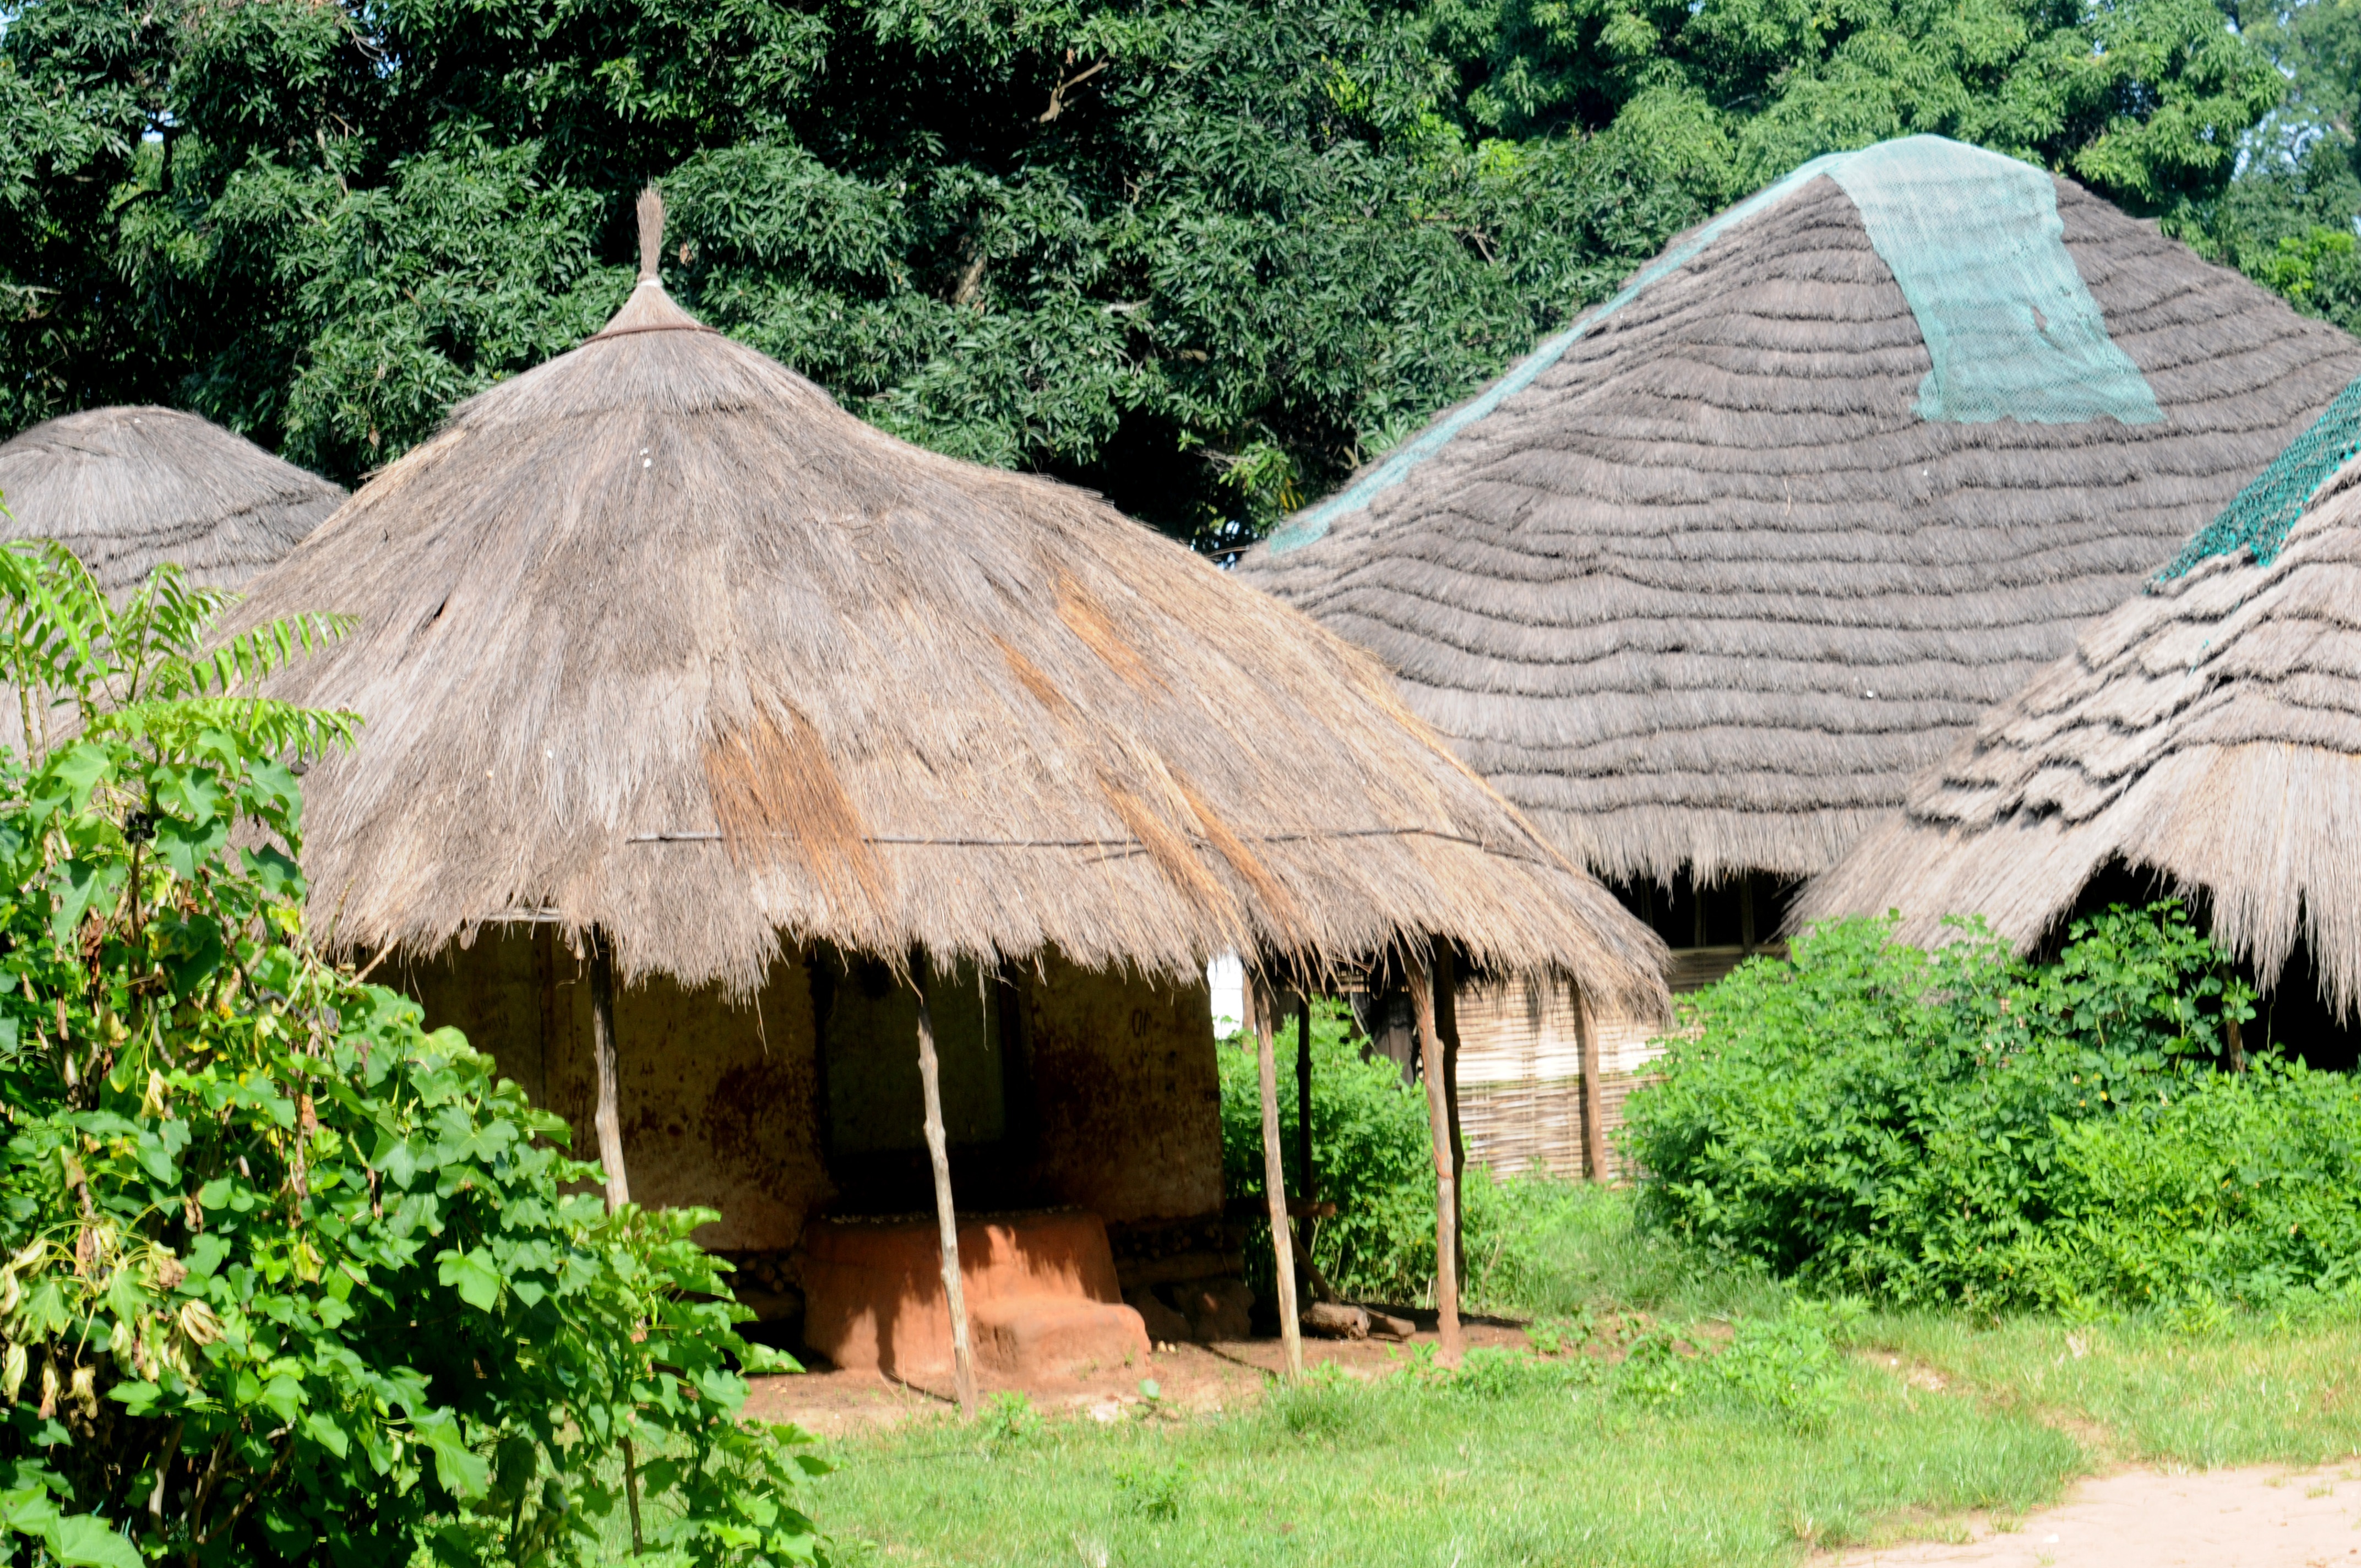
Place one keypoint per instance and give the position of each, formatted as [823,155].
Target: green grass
[1401,1474]
[2233,1392]
[1593,1463]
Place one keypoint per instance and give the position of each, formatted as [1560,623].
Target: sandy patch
[2265,1517]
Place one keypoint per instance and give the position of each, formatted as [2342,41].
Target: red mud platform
[1041,1295]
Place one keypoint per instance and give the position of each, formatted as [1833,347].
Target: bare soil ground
[1196,1377]
[2263,1517]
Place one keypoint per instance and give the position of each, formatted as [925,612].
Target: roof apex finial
[652,216]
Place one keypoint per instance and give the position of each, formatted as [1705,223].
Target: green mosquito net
[2260,515]
[1975,242]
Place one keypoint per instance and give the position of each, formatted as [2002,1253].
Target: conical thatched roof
[1713,573]
[128,489]
[655,638]
[2208,730]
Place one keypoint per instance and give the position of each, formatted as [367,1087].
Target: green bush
[1370,1153]
[288,1278]
[1961,1126]
[1374,1159]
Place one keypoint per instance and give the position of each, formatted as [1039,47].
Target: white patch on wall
[1227,976]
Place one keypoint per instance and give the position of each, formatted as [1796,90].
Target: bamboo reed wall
[1520,1066]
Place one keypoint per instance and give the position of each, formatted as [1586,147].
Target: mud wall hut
[1707,579]
[720,746]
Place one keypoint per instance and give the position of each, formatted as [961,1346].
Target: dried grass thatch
[655,638]
[2209,730]
[129,488]
[1708,592]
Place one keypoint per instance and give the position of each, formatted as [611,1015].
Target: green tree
[1206,254]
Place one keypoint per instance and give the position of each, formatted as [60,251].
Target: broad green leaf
[474,1274]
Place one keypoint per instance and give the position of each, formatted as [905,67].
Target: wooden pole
[1446,1197]
[1446,1024]
[939,1155]
[1304,1185]
[610,1118]
[1594,1099]
[1274,1178]
[609,1114]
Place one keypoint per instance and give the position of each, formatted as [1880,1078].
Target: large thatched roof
[655,638]
[1713,573]
[2209,730]
[127,488]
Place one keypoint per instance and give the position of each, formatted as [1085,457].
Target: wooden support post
[1274,1178]
[1446,1195]
[1746,910]
[945,1217]
[1593,1098]
[1446,1024]
[609,1116]
[1306,1187]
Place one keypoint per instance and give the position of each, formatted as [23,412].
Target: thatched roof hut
[128,489]
[2207,733]
[655,638]
[1706,580]
[661,649]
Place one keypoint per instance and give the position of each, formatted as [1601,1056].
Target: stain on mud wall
[1126,1093]
[717,1100]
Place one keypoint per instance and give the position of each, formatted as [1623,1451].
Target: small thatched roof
[658,639]
[1708,578]
[128,489]
[2208,731]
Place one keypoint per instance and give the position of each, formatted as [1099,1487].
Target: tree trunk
[609,1114]
[939,1155]
[1274,1177]
[1446,1196]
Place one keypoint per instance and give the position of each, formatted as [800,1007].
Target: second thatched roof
[1706,580]
[2208,731]
[129,488]
[656,639]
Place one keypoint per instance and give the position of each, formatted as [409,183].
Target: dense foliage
[1373,1159]
[1962,1126]
[286,1278]
[1206,254]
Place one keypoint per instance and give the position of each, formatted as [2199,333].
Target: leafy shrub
[1961,1126]
[1374,1159]
[289,1278]
[1370,1152]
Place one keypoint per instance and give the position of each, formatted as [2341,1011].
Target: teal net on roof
[1975,243]
[2260,516]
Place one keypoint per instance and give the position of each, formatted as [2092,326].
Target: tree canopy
[1205,255]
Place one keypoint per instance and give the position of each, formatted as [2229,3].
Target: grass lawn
[1711,1422]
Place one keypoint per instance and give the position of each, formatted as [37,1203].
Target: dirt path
[1201,1378]
[2265,1517]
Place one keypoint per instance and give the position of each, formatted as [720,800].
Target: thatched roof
[127,488]
[2208,731]
[655,638]
[1712,574]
